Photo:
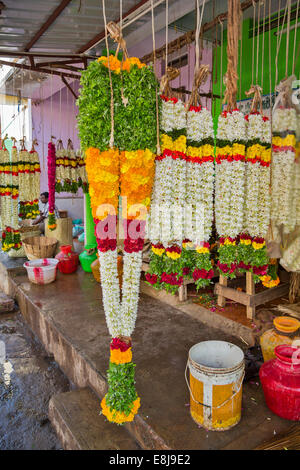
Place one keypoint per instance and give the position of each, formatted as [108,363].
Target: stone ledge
[75,418]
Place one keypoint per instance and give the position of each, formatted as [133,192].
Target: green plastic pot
[87,257]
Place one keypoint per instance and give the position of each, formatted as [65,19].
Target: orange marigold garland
[126,170]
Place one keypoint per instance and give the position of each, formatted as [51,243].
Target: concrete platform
[68,318]
[75,417]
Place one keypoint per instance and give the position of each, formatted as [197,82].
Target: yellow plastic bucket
[217,371]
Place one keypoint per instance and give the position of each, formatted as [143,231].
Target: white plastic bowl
[41,271]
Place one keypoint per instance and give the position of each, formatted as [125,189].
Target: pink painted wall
[56,116]
[186,75]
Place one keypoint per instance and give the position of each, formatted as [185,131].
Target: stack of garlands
[117,127]
[9,193]
[252,253]
[51,185]
[230,187]
[29,183]
[283,206]
[170,259]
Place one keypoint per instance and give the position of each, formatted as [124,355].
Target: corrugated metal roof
[77,24]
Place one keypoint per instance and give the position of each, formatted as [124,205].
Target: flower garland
[283,168]
[252,253]
[70,171]
[168,201]
[29,184]
[126,170]
[9,192]
[200,188]
[230,187]
[51,186]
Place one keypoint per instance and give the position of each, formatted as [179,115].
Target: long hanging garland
[230,157]
[70,169]
[118,131]
[51,185]
[200,181]
[252,253]
[9,192]
[29,182]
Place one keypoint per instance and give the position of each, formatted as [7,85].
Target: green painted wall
[246,65]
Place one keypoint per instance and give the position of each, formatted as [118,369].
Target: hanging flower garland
[126,169]
[70,169]
[283,166]
[166,224]
[252,253]
[9,192]
[51,185]
[29,183]
[200,188]
[230,187]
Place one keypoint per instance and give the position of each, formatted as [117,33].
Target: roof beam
[101,35]
[59,55]
[40,70]
[69,86]
[47,24]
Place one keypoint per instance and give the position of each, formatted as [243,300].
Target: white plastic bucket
[41,271]
[216,377]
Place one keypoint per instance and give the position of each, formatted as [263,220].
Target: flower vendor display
[51,159]
[9,192]
[230,187]
[29,183]
[70,169]
[117,126]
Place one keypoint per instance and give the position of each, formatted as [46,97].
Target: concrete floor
[68,318]
[28,379]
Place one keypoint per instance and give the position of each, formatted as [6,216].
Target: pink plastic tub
[41,271]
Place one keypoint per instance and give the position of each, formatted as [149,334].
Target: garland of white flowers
[230,187]
[200,173]
[283,168]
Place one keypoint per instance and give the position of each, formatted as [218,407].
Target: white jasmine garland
[130,291]
[110,291]
[167,116]
[283,209]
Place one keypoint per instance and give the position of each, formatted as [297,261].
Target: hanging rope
[253,40]
[257,43]
[295,37]
[111,140]
[200,77]
[288,39]
[263,47]
[233,34]
[256,104]
[270,62]
[154,65]
[198,29]
[279,43]
[241,59]
[167,34]
[221,66]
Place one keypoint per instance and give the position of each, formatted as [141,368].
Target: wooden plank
[41,70]
[268,295]
[232,294]
[250,289]
[221,299]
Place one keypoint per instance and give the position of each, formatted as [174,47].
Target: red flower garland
[51,185]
